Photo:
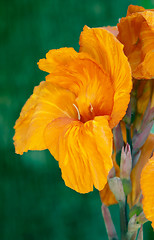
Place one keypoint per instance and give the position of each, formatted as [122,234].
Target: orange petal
[146,152]
[136,32]
[134,9]
[83,151]
[91,85]
[46,103]
[64,67]
[56,58]
[107,197]
[147,186]
[108,52]
[95,97]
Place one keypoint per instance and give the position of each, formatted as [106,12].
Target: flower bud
[141,219]
[126,163]
[125,168]
[135,210]
[140,138]
[116,187]
[118,141]
[133,226]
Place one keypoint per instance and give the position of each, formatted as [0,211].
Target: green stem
[123,220]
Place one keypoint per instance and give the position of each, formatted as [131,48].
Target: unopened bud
[133,226]
[141,219]
[135,223]
[116,187]
[126,163]
[125,169]
[135,210]
[118,138]
[118,141]
[111,173]
[135,157]
[140,138]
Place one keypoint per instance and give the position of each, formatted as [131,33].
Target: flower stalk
[112,235]
[123,219]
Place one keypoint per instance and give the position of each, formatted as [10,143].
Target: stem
[112,235]
[123,220]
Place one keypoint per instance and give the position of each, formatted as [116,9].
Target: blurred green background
[34,202]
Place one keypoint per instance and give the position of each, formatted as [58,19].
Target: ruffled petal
[83,151]
[136,32]
[147,186]
[146,152]
[133,9]
[45,104]
[91,85]
[108,52]
[58,58]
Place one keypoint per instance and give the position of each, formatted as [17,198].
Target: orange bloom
[136,32]
[72,113]
[147,186]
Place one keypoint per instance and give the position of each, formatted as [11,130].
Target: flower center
[87,114]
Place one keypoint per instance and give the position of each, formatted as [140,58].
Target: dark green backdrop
[34,202]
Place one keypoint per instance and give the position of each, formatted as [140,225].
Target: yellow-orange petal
[92,86]
[45,104]
[133,9]
[83,151]
[102,46]
[145,69]
[147,186]
[146,152]
[136,32]
[57,58]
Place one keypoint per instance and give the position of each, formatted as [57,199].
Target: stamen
[91,108]
[79,117]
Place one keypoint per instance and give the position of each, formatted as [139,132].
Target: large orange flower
[147,186]
[136,32]
[72,113]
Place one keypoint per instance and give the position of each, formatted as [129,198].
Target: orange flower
[136,32]
[72,113]
[147,186]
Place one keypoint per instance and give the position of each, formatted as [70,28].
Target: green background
[34,202]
